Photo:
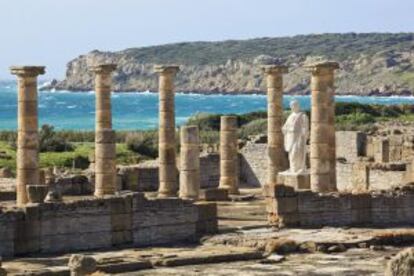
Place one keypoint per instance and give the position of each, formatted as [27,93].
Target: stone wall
[253,164]
[391,148]
[286,207]
[350,145]
[209,170]
[368,176]
[386,176]
[130,219]
[343,176]
[144,177]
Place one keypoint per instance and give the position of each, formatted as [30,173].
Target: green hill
[371,63]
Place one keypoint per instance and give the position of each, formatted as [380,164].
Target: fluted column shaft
[322,141]
[276,155]
[189,162]
[27,137]
[105,147]
[229,165]
[168,185]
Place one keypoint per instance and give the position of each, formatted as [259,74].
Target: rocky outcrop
[383,66]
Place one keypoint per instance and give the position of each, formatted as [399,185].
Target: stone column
[229,176]
[322,140]
[168,185]
[276,154]
[105,153]
[27,137]
[189,163]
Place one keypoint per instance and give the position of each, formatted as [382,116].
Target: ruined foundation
[289,208]
[128,220]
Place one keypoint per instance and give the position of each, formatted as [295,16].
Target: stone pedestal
[214,194]
[229,164]
[297,181]
[27,137]
[105,152]
[168,185]
[189,163]
[276,153]
[322,140]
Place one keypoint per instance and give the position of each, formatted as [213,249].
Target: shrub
[205,121]
[209,137]
[144,143]
[255,127]
[354,121]
[49,142]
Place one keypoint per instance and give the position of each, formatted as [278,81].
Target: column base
[166,195]
[230,189]
[214,194]
[298,181]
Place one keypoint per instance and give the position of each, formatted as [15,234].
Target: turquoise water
[67,110]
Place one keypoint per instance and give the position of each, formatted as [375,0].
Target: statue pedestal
[299,181]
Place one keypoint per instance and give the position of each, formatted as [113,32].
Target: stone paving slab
[353,262]
[134,259]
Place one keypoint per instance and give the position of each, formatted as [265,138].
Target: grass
[80,156]
[349,116]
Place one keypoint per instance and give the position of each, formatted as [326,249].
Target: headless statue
[296,133]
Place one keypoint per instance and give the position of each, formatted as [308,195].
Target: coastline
[247,92]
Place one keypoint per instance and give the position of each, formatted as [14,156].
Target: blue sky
[51,32]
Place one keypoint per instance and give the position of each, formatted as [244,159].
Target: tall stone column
[27,137]
[275,148]
[27,129]
[105,152]
[168,185]
[322,144]
[189,163]
[229,165]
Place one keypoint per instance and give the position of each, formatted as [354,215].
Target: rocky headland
[371,64]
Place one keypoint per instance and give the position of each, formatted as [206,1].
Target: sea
[139,111]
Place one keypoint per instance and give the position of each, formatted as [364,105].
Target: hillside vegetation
[66,148]
[371,63]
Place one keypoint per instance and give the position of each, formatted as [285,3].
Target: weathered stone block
[297,181]
[214,194]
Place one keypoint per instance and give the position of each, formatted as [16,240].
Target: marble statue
[296,133]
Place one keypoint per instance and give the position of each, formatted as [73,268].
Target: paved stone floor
[238,250]
[352,262]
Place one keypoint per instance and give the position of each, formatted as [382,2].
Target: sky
[52,32]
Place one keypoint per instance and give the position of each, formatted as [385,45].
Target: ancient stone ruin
[351,178]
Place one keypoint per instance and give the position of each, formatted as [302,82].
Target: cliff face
[370,64]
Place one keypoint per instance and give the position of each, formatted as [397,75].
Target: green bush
[209,137]
[49,142]
[351,108]
[354,121]
[205,121]
[255,127]
[144,143]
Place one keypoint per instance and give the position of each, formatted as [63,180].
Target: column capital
[275,69]
[167,69]
[322,67]
[106,68]
[27,71]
